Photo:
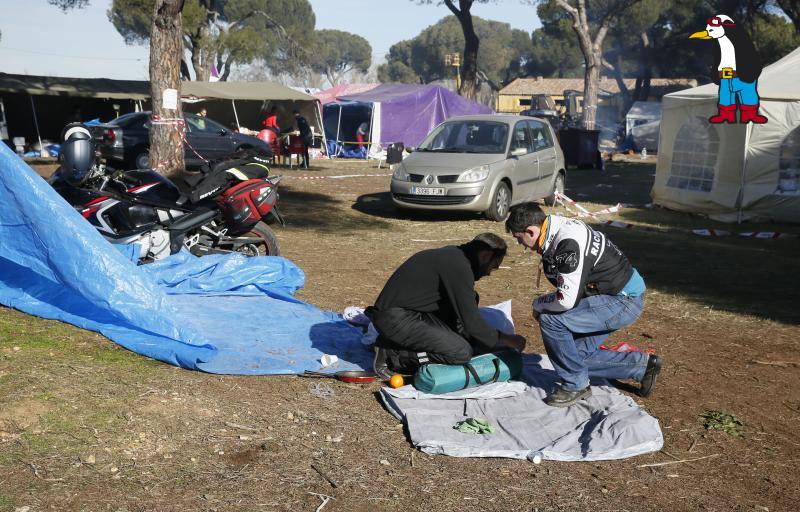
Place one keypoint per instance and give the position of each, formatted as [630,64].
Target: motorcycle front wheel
[268,246]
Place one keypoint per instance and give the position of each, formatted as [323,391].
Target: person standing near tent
[201,122]
[428,310]
[271,121]
[597,293]
[362,134]
[305,133]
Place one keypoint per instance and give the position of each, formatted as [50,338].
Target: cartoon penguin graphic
[736,71]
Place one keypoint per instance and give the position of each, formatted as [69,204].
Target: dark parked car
[126,140]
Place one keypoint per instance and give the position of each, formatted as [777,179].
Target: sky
[38,39]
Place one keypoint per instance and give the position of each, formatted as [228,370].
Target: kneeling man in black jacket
[428,310]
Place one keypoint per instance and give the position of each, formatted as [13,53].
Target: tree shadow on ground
[380,204]
[731,273]
[619,183]
[734,274]
[323,213]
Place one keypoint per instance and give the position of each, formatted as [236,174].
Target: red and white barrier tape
[156,119]
[564,200]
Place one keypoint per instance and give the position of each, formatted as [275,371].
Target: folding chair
[271,138]
[296,146]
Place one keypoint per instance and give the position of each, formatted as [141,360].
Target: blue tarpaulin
[220,314]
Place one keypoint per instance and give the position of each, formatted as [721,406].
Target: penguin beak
[703,34]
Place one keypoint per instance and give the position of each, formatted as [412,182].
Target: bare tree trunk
[591,87]
[166,48]
[616,69]
[201,62]
[592,50]
[646,70]
[227,67]
[469,70]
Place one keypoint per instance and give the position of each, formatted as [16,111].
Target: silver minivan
[484,163]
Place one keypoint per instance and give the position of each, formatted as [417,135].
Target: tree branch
[452,8]
[569,8]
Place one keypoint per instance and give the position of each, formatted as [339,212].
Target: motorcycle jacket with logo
[579,262]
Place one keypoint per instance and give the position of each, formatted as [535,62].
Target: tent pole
[371,132]
[743,174]
[36,124]
[338,125]
[235,115]
[318,112]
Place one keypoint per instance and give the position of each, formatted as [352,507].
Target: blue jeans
[573,338]
[729,88]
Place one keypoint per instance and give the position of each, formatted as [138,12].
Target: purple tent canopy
[407,113]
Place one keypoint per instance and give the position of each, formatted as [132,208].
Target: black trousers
[412,338]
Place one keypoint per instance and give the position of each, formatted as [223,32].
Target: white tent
[642,123]
[733,171]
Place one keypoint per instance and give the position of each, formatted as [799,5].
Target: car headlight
[474,174]
[400,173]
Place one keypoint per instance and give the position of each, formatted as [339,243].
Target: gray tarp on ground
[609,425]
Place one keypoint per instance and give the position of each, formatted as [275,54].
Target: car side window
[520,138]
[191,124]
[540,135]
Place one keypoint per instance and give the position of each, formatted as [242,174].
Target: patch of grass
[6,503]
[722,420]
[7,458]
[111,354]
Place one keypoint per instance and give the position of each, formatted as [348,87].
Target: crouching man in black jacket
[428,310]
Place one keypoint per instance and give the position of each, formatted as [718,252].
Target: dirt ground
[85,425]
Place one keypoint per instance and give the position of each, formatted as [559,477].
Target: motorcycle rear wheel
[269,246]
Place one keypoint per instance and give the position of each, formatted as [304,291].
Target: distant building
[516,96]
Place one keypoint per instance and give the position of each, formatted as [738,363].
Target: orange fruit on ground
[396,381]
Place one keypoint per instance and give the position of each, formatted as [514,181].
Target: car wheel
[501,201]
[558,186]
[142,160]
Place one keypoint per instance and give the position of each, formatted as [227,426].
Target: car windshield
[466,137]
[127,120]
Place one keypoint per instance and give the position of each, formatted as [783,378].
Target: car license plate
[427,191]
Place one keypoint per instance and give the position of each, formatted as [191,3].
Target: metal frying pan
[358,377]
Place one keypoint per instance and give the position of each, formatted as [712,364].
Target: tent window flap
[694,156]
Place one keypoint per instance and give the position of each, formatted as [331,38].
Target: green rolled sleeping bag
[483,369]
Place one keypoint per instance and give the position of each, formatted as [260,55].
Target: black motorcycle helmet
[77,153]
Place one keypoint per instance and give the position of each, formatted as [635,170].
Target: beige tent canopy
[75,87]
[733,172]
[246,103]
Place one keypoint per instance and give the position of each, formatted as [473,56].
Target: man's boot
[380,365]
[563,398]
[750,114]
[648,382]
[727,114]
[389,359]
